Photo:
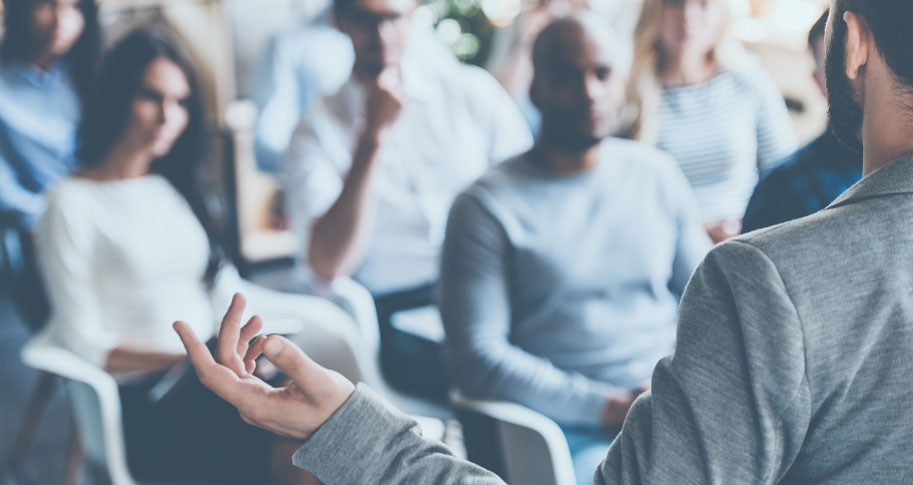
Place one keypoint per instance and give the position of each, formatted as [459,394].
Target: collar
[35,76]
[894,178]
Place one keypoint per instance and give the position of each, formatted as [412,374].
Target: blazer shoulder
[786,242]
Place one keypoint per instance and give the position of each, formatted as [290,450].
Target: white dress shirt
[456,124]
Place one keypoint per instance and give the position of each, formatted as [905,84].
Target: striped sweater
[725,133]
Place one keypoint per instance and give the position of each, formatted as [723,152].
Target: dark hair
[108,111]
[341,8]
[82,58]
[889,21]
[817,32]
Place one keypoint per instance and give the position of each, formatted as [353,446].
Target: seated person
[562,268]
[128,245]
[372,170]
[696,94]
[810,179]
[49,51]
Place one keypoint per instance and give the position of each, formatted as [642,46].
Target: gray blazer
[794,364]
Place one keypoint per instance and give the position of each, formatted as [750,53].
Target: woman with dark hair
[131,232]
[47,59]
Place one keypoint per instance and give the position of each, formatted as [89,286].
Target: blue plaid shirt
[806,182]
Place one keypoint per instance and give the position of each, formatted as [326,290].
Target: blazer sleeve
[366,441]
[732,404]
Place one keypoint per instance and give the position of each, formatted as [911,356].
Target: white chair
[95,400]
[531,448]
[95,404]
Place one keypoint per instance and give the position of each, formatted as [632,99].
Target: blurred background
[229,38]
[230,41]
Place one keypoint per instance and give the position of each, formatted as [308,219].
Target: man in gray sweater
[562,268]
[792,361]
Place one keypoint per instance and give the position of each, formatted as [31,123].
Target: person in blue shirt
[811,178]
[47,59]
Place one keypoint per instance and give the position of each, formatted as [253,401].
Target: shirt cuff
[592,406]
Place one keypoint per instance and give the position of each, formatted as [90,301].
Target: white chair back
[95,403]
[533,448]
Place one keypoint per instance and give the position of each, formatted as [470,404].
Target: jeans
[412,364]
[589,447]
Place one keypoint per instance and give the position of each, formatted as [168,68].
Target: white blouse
[121,261]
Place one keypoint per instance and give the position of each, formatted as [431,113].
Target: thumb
[290,359]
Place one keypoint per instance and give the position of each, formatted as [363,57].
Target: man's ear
[858,43]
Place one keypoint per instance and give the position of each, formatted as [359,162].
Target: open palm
[295,410]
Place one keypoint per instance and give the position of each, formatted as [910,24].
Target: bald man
[563,267]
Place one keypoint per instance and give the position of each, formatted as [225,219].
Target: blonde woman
[696,94]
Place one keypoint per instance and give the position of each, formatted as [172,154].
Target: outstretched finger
[211,374]
[248,332]
[229,333]
[196,349]
[250,358]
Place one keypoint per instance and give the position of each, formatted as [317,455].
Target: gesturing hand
[385,100]
[618,405]
[296,410]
